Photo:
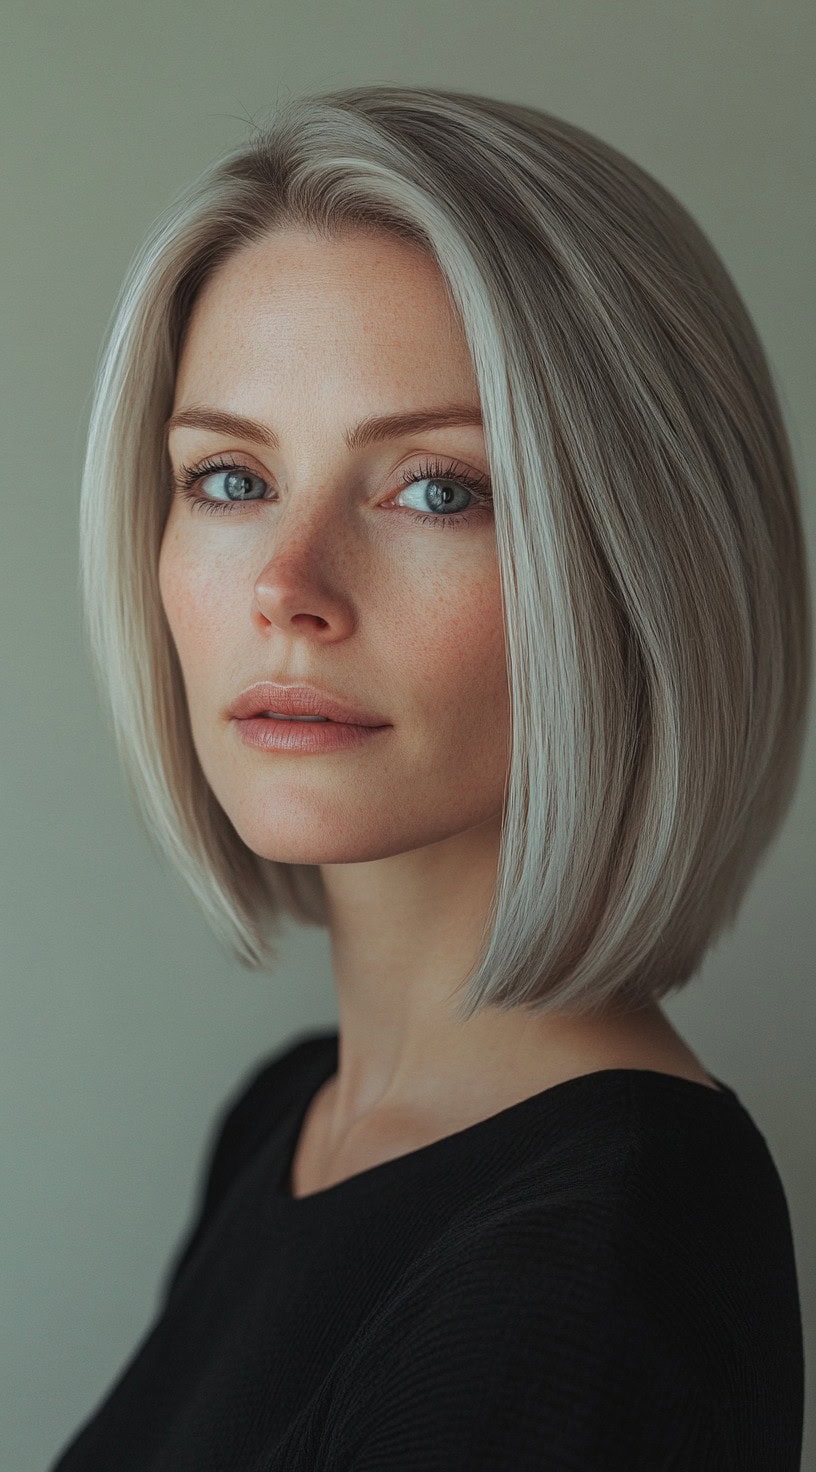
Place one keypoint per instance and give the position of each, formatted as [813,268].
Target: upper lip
[299,700]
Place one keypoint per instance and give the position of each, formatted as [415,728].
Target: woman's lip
[303,736]
[307,700]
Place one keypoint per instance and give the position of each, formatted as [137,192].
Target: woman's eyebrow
[376,427]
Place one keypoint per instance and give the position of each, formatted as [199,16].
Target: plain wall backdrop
[124,1025]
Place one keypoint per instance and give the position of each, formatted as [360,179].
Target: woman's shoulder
[663,1159]
[656,1224]
[244,1120]
[639,1185]
[633,1279]
[264,1092]
[698,1156]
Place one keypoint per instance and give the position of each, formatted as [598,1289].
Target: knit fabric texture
[601,1276]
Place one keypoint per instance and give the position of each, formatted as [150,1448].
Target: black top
[601,1276]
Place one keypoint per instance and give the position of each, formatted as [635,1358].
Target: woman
[503,1217]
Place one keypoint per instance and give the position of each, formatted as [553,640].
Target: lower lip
[305,736]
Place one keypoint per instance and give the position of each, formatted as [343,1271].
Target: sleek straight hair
[655,599]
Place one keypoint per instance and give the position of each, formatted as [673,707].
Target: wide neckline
[553,1098]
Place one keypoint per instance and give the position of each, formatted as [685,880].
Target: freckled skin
[326,583]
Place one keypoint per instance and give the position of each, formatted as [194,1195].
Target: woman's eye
[237,484]
[446,497]
[442,496]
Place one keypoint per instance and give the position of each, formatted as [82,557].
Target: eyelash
[189,476]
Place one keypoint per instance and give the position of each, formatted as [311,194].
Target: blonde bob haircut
[655,600]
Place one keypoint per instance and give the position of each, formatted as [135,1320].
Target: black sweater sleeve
[497,1368]
[237,1130]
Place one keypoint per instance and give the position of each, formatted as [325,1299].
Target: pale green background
[124,1024]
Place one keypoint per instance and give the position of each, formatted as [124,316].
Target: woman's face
[334,572]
